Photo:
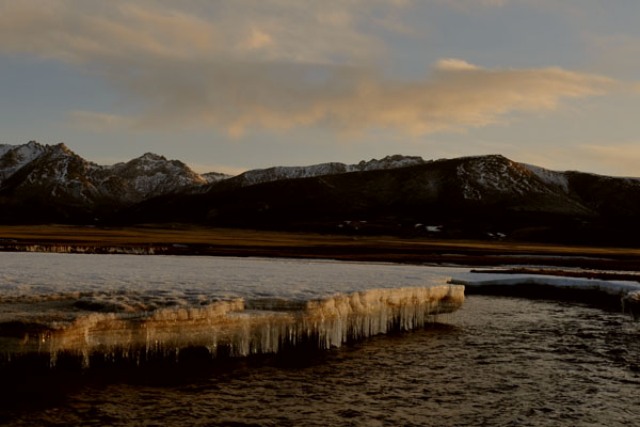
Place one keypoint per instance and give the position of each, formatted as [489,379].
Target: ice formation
[238,327]
[626,292]
[118,307]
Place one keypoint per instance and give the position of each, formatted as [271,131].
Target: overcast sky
[230,85]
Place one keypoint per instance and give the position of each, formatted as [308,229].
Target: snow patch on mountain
[558,179]
[13,158]
[389,162]
[152,175]
[213,177]
[277,173]
[259,176]
[496,174]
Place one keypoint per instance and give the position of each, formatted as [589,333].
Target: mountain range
[469,197]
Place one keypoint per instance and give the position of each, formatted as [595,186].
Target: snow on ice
[627,292]
[119,306]
[109,308]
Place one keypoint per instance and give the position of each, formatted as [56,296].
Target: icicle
[246,327]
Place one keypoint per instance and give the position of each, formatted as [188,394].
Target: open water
[497,362]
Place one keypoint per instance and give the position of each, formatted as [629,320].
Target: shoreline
[203,241]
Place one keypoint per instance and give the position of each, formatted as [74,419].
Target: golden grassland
[190,240]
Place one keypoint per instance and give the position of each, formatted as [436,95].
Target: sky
[231,85]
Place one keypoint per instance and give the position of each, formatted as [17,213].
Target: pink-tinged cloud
[242,96]
[270,64]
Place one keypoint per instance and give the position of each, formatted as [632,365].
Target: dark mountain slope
[469,196]
[612,198]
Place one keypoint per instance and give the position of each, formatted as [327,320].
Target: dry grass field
[189,240]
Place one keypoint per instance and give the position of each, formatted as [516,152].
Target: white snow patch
[557,179]
[18,157]
[257,176]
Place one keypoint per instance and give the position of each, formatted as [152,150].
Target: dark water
[498,361]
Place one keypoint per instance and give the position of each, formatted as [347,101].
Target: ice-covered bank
[606,292]
[110,308]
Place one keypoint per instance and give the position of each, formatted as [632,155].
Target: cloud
[120,31]
[454,96]
[99,122]
[271,64]
[453,64]
[90,33]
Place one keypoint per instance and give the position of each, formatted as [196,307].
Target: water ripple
[496,362]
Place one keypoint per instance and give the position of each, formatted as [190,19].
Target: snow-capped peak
[498,175]
[13,158]
[152,157]
[58,171]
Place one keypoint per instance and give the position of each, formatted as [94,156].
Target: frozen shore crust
[242,327]
[129,307]
[627,291]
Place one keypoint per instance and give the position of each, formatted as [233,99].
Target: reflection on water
[498,361]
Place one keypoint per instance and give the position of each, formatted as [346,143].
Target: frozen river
[495,361]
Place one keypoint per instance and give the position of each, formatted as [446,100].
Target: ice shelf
[97,308]
[605,292]
[235,327]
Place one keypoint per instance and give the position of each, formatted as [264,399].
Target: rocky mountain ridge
[463,197]
[41,171]
[56,168]
[471,197]
[56,179]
